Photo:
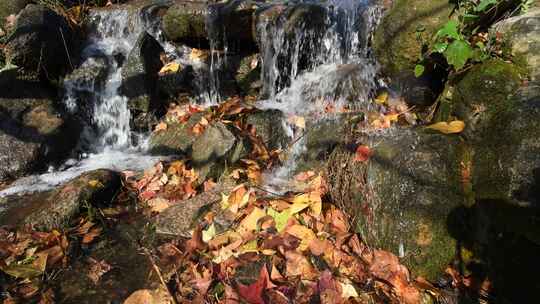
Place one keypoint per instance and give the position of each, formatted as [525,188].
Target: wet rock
[198,24]
[521,36]
[172,85]
[248,75]
[10,7]
[53,209]
[128,270]
[211,149]
[176,139]
[82,84]
[398,49]
[40,43]
[269,127]
[395,42]
[182,218]
[185,22]
[34,130]
[402,197]
[140,74]
[482,95]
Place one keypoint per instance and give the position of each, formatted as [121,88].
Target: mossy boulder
[521,37]
[396,42]
[197,24]
[41,43]
[53,209]
[186,22]
[402,196]
[10,7]
[484,93]
[140,79]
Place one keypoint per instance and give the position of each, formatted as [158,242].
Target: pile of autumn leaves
[31,257]
[298,248]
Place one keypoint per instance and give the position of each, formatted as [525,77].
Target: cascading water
[92,93]
[310,69]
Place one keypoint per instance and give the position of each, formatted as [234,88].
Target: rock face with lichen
[34,130]
[397,45]
[521,36]
[403,195]
[40,43]
[396,42]
[53,209]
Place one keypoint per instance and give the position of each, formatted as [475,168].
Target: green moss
[397,43]
[181,23]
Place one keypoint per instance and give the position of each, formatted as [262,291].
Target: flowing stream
[339,67]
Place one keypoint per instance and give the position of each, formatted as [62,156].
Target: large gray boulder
[401,198]
[42,43]
[199,24]
[53,209]
[521,35]
[34,130]
[140,76]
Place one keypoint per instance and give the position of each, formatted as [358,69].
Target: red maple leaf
[253,293]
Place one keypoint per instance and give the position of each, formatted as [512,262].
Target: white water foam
[108,135]
[342,69]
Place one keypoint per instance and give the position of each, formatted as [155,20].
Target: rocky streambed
[253,93]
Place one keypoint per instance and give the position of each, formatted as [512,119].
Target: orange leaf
[363,153]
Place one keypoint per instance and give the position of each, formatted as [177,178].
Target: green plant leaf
[450,30]
[458,53]
[484,4]
[419,70]
[440,47]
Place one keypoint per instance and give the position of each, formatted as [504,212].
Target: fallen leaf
[362,154]
[158,204]
[304,234]
[162,126]
[97,269]
[299,265]
[91,235]
[169,68]
[382,98]
[452,127]
[95,183]
[249,223]
[253,293]
[297,121]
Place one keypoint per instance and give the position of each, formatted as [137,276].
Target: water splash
[307,70]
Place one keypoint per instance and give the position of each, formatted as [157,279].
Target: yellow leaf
[172,67]
[162,126]
[452,127]
[312,199]
[281,218]
[382,98]
[198,55]
[95,183]
[249,223]
[348,291]
[209,233]
[304,234]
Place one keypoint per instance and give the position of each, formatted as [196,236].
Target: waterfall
[307,70]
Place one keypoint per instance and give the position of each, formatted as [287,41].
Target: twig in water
[158,272]
[65,46]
